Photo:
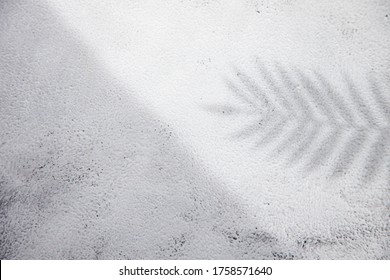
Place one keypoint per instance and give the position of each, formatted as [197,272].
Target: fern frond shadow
[304,118]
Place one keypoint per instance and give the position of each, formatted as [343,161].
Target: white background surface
[108,149]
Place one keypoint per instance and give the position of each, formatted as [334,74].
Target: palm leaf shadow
[307,120]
